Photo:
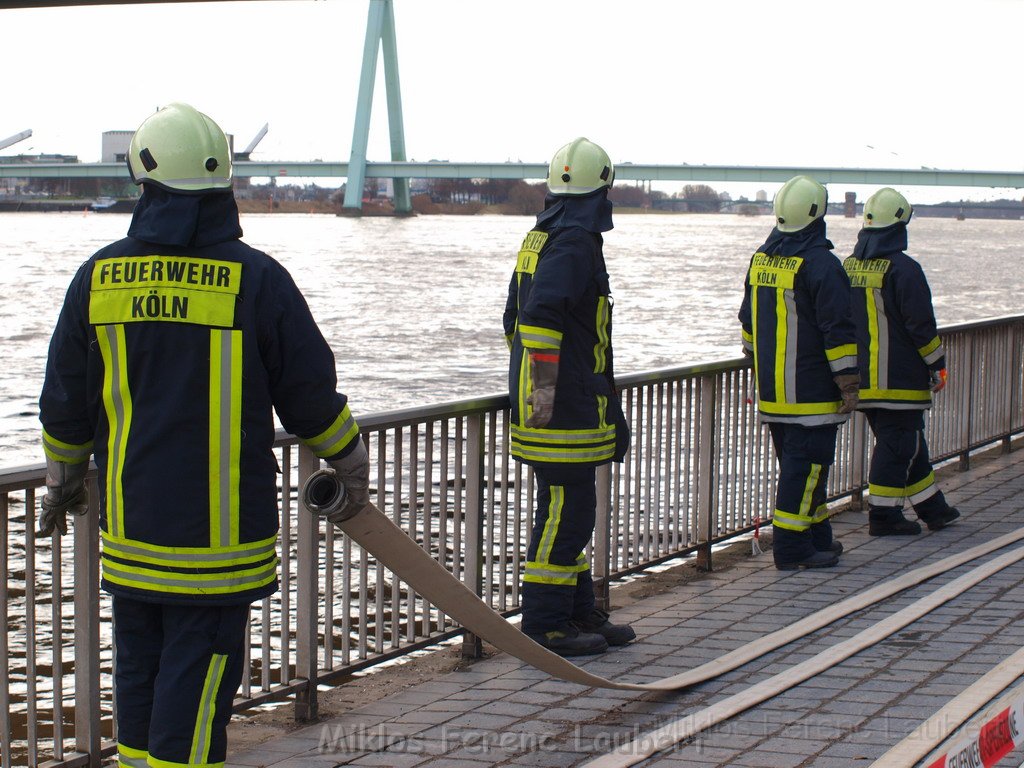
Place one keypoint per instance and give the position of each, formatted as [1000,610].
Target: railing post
[87,629]
[858,477]
[967,404]
[307,559]
[472,574]
[1012,390]
[706,461]
[601,564]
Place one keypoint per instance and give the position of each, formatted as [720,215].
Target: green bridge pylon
[380,33]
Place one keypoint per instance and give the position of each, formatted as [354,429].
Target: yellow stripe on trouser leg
[802,519]
[133,758]
[547,539]
[207,709]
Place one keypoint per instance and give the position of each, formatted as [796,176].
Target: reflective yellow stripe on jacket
[117,403]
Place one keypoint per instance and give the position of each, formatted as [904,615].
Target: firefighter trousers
[557,585]
[800,524]
[900,466]
[178,669]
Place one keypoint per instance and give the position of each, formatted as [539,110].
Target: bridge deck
[499,711]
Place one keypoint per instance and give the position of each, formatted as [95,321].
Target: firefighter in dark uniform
[903,362]
[171,352]
[798,328]
[566,418]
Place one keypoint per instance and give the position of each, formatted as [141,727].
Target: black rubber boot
[889,521]
[816,560]
[823,540]
[597,622]
[795,549]
[571,642]
[944,519]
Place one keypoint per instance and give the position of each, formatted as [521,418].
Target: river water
[412,307]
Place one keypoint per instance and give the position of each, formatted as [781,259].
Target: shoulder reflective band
[394,548]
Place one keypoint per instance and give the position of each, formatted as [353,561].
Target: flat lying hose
[372,530]
[938,728]
[665,737]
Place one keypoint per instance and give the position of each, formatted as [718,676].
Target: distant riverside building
[761,196]
[115,146]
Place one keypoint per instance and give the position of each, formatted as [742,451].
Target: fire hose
[372,530]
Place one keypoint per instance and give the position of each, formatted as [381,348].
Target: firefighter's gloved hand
[544,376]
[353,471]
[938,379]
[849,388]
[65,492]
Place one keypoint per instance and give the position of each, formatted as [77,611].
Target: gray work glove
[544,376]
[65,492]
[354,473]
[849,388]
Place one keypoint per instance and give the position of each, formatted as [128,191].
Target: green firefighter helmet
[800,201]
[885,208]
[182,150]
[579,168]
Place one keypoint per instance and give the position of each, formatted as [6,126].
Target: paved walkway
[502,712]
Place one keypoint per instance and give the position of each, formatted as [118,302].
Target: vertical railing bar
[968,411]
[660,521]
[442,511]
[623,550]
[474,543]
[668,483]
[57,636]
[428,512]
[246,687]
[508,575]
[730,504]
[638,495]
[457,512]
[692,477]
[329,592]
[378,570]
[681,481]
[648,511]
[396,516]
[487,513]
[602,529]
[307,595]
[522,518]
[414,522]
[747,487]
[30,627]
[265,643]
[286,569]
[706,457]
[346,600]
[86,572]
[5,647]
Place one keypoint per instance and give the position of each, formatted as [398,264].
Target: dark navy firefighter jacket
[897,339]
[797,323]
[171,350]
[559,302]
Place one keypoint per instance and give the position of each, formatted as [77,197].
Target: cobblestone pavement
[502,712]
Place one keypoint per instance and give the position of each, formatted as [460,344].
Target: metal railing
[700,470]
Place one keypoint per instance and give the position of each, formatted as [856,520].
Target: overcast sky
[861,83]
